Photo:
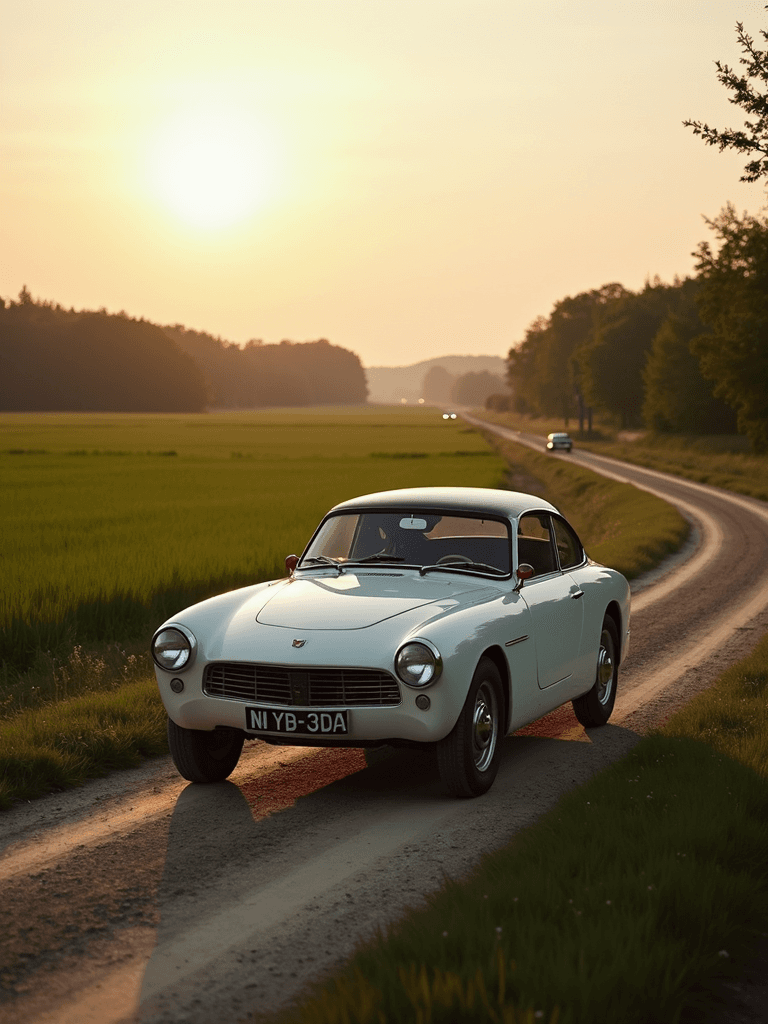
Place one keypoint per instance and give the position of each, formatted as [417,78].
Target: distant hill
[390,384]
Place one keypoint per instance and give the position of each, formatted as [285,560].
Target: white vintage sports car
[443,617]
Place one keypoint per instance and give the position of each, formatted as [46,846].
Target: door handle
[577,594]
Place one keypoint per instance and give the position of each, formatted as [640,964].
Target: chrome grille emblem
[298,643]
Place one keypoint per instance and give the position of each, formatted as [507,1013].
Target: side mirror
[291,562]
[524,572]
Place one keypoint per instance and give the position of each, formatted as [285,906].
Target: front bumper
[193,708]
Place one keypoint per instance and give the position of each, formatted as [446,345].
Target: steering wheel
[453,558]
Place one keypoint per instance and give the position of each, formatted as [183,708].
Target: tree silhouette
[437,384]
[750,92]
[474,388]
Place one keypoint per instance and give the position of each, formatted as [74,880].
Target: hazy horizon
[406,180]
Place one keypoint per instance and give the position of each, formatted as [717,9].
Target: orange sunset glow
[385,174]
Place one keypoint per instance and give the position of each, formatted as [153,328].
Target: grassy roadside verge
[635,889]
[718,460]
[60,745]
[695,459]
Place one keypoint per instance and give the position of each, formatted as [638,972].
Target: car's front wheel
[595,706]
[204,756]
[468,757]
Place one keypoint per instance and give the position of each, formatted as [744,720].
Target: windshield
[413,538]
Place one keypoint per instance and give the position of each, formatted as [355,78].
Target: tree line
[54,359]
[289,373]
[472,388]
[626,353]
[689,357]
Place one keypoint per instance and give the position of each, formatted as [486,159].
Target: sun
[212,166]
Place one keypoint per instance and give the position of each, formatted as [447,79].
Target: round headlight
[417,664]
[172,649]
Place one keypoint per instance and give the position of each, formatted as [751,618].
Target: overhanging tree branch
[750,92]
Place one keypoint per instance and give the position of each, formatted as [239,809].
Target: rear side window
[534,543]
[569,547]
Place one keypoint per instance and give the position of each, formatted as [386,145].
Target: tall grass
[63,743]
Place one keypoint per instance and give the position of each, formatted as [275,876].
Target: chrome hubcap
[605,664]
[485,726]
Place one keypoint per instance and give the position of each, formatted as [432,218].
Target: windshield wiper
[323,560]
[452,566]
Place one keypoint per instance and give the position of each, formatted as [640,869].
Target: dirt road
[142,898]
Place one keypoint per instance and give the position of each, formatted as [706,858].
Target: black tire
[468,757]
[204,756]
[595,707]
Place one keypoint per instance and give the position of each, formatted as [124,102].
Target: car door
[553,599]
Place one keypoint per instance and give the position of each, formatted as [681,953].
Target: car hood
[352,601]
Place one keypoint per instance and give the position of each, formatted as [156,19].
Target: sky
[406,178]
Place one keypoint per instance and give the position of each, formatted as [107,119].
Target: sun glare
[213,167]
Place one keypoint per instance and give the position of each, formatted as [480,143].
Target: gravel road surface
[143,898]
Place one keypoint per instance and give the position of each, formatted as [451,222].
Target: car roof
[509,504]
[558,433]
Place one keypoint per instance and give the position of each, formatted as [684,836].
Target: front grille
[311,687]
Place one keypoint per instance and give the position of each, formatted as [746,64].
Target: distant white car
[441,617]
[559,442]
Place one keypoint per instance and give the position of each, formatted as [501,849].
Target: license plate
[299,723]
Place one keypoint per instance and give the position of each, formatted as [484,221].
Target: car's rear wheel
[204,756]
[468,757]
[595,706]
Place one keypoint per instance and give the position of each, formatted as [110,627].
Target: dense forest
[290,373]
[626,353]
[686,357]
[53,359]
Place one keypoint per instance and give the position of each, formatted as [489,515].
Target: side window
[569,546]
[534,543]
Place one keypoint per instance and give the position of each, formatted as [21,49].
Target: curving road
[146,899]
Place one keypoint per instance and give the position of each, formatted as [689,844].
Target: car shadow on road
[376,821]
